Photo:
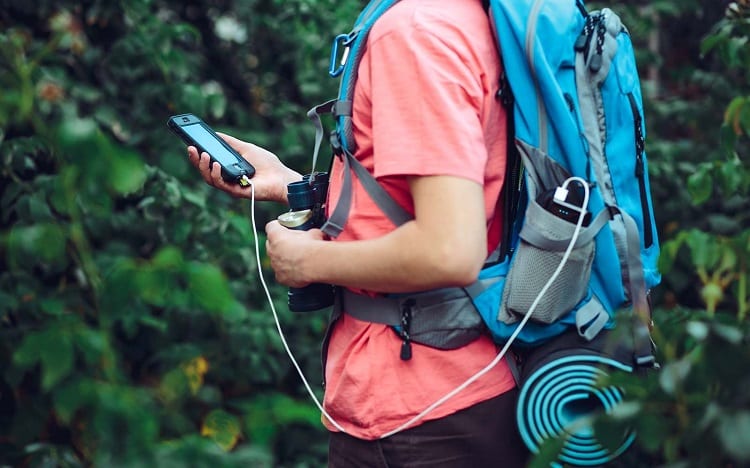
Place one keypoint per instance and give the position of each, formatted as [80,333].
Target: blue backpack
[580,247]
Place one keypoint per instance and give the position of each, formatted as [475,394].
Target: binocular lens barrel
[306,200]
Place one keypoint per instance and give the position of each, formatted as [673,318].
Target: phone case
[195,132]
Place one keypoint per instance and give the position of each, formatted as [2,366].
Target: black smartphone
[195,132]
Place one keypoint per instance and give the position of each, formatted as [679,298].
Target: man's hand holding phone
[271,175]
[228,163]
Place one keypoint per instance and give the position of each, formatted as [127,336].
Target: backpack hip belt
[441,318]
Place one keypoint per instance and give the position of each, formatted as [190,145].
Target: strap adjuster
[335,142]
[646,361]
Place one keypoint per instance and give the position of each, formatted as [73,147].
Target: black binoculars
[307,211]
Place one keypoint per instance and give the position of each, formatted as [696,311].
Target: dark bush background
[134,330]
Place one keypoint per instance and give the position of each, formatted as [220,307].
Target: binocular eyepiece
[307,211]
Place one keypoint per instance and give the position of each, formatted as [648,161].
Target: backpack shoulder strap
[342,139]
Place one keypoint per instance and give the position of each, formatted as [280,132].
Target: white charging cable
[523,322]
[471,379]
[276,316]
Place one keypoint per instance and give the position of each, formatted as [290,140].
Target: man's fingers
[204,166]
[216,175]
[273,226]
[193,156]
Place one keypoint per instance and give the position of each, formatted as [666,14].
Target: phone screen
[210,144]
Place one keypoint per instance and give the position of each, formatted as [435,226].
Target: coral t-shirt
[424,104]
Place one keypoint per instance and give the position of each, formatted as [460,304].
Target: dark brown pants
[484,435]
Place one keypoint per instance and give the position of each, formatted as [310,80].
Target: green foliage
[695,411]
[133,328]
[695,67]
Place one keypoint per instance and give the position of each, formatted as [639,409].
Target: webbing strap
[535,236]
[336,221]
[335,107]
[392,210]
[479,286]
[591,319]
[314,116]
[440,318]
[641,310]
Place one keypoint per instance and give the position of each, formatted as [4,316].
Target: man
[428,125]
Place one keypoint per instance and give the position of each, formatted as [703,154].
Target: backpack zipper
[531,27]
[640,170]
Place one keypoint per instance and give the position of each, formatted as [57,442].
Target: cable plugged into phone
[566,202]
[278,322]
[195,132]
[561,194]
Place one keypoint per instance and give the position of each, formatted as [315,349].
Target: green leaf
[196,198]
[93,345]
[153,286]
[223,428]
[704,249]
[734,433]
[174,386]
[71,397]
[744,118]
[548,453]
[79,137]
[39,209]
[668,254]
[710,42]
[727,139]
[696,329]
[733,110]
[54,307]
[8,302]
[127,173]
[652,430]
[700,184]
[732,176]
[53,349]
[27,354]
[209,287]
[266,416]
[57,359]
[168,257]
[729,333]
[44,243]
[673,374]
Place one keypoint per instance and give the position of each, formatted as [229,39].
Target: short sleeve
[426,96]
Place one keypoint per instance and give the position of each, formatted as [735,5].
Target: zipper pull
[583,38]
[601,30]
[405,326]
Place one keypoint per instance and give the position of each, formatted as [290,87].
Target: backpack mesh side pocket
[534,265]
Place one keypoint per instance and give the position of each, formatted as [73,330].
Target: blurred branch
[222,64]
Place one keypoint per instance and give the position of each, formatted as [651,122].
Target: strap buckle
[335,141]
